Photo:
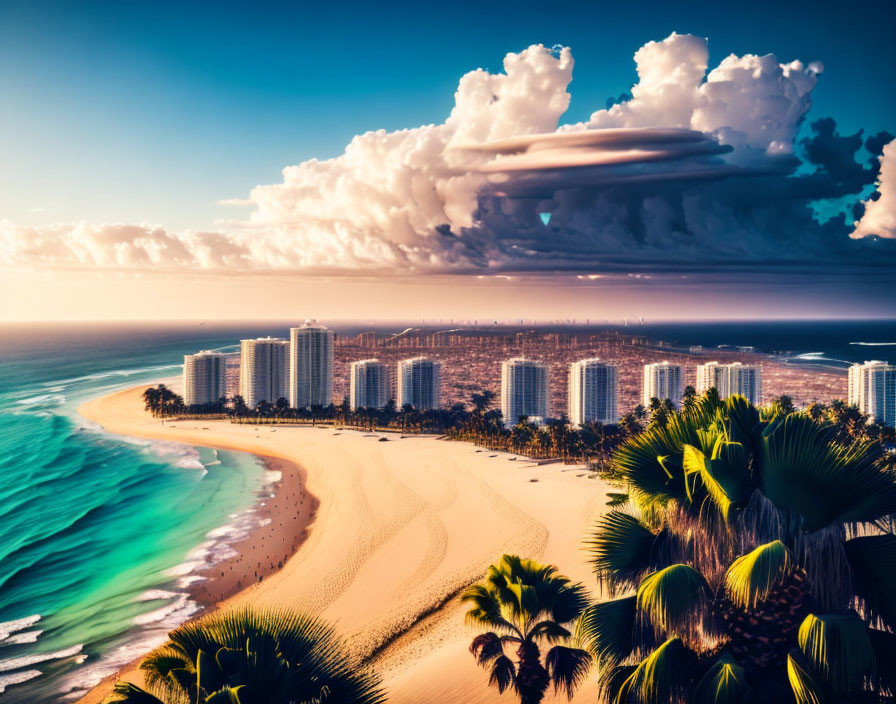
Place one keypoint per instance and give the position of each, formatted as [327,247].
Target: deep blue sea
[99,534]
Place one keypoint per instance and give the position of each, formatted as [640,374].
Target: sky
[168,160]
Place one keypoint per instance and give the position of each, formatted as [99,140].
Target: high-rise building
[662,380]
[367,339]
[418,383]
[263,368]
[592,392]
[368,384]
[310,365]
[872,387]
[731,379]
[204,379]
[524,390]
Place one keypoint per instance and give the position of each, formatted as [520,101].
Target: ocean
[100,534]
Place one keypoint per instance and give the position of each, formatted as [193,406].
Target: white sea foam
[272,476]
[43,400]
[28,660]
[17,678]
[21,637]
[10,627]
[874,344]
[156,594]
[170,615]
[111,374]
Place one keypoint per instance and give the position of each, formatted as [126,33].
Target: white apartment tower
[662,380]
[263,367]
[368,384]
[310,365]
[524,390]
[730,379]
[418,383]
[204,378]
[592,392]
[872,387]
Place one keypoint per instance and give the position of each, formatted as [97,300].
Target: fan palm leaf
[673,599]
[751,577]
[806,689]
[659,678]
[621,549]
[838,650]
[127,693]
[872,559]
[607,628]
[724,683]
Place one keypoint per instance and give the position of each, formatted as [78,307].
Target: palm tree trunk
[531,678]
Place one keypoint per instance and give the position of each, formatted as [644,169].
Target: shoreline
[399,528]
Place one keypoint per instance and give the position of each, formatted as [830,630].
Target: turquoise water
[99,534]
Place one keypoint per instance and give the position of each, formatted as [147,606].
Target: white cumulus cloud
[880,213]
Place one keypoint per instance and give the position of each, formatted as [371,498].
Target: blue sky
[151,112]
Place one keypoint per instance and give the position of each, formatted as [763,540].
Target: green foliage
[253,657]
[620,549]
[673,598]
[724,683]
[806,690]
[657,679]
[838,651]
[751,577]
[607,628]
[527,603]
[873,562]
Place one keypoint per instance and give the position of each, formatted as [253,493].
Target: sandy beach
[400,527]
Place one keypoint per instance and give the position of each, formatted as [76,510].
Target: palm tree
[526,603]
[252,657]
[758,563]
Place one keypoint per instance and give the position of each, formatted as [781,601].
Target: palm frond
[620,549]
[751,577]
[226,695]
[658,678]
[486,647]
[724,683]
[806,689]
[567,668]
[550,631]
[608,629]
[803,469]
[503,674]
[872,559]
[884,646]
[838,650]
[127,693]
[673,598]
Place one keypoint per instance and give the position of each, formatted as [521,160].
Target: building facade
[310,366]
[872,387]
[417,383]
[524,390]
[592,392]
[662,380]
[730,379]
[368,384]
[263,370]
[204,378]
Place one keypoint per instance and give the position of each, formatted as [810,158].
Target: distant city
[300,370]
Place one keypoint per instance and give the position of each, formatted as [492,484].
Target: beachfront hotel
[592,392]
[310,365]
[731,379]
[872,387]
[204,378]
[662,380]
[417,383]
[524,390]
[368,384]
[263,367]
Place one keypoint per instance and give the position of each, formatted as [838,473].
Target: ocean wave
[170,615]
[874,344]
[110,374]
[43,400]
[17,678]
[272,476]
[156,595]
[28,660]
[21,637]
[10,627]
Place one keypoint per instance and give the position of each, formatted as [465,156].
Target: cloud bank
[692,170]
